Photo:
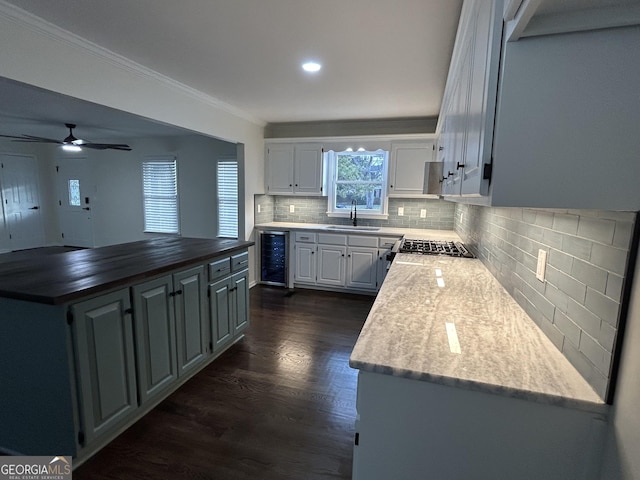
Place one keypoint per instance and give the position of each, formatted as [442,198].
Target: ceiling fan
[71,142]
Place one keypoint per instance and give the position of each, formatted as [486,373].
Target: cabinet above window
[294,169]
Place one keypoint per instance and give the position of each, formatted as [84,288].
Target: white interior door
[21,201]
[75,188]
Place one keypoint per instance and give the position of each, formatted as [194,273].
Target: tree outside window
[359,177]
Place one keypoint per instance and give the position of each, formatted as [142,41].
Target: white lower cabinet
[362,268]
[408,429]
[331,265]
[352,262]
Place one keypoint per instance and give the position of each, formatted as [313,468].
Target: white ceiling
[381,58]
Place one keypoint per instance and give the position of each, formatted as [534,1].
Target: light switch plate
[401,211]
[259,208]
[292,208]
[423,213]
[542,264]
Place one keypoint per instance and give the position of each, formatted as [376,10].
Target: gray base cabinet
[155,328]
[105,363]
[191,319]
[228,301]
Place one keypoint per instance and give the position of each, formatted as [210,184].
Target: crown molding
[42,27]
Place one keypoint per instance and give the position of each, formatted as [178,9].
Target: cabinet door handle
[129,311]
[178,292]
[459,166]
[34,208]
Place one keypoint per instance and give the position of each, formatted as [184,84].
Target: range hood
[432,178]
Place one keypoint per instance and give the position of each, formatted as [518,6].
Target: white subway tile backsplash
[570,330]
[599,230]
[590,275]
[600,358]
[579,304]
[602,306]
[565,223]
[609,258]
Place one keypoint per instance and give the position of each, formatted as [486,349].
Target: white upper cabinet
[406,167]
[466,120]
[550,124]
[294,169]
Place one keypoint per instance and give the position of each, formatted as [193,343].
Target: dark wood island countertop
[62,277]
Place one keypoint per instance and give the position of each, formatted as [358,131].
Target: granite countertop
[416,233]
[501,350]
[61,277]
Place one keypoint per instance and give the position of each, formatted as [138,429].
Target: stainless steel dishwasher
[274,262]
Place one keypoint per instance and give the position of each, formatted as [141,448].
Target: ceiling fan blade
[106,146]
[31,138]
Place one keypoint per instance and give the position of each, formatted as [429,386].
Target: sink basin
[351,227]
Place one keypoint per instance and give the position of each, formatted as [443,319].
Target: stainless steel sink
[351,228]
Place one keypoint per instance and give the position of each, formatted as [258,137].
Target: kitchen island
[91,340]
[456,381]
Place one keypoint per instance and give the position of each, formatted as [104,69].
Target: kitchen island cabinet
[456,381]
[80,364]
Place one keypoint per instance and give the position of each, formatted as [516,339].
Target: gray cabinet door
[105,362]
[189,297]
[155,329]
[240,301]
[221,313]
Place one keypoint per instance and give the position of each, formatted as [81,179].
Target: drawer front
[219,268]
[332,239]
[239,261]
[387,242]
[305,237]
[363,241]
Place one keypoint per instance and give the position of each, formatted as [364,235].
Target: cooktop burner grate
[435,247]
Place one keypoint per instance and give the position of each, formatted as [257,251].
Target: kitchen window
[358,180]
[160,192]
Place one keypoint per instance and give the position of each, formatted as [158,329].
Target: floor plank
[280,404]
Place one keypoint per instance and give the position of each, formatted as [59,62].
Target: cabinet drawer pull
[243,262]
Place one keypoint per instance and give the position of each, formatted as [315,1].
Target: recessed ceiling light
[311,67]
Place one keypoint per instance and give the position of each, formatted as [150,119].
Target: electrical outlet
[423,213]
[259,209]
[542,264]
[292,208]
[401,211]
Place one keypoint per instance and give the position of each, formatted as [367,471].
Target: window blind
[228,198]
[160,190]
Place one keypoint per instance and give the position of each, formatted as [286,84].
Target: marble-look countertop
[501,350]
[415,233]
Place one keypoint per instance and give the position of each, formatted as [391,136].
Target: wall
[118,206]
[314,210]
[621,460]
[578,306]
[38,53]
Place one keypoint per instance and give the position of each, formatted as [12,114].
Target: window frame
[219,162]
[331,161]
[147,220]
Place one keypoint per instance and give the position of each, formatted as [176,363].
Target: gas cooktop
[434,247]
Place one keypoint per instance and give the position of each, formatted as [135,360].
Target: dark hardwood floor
[280,404]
